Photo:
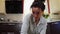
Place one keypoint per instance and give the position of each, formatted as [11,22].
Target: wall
[27,5]
[55,8]
[46,7]
[54,5]
[2,6]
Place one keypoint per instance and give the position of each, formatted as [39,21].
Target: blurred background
[13,11]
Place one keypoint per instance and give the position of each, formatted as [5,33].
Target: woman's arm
[43,31]
[25,25]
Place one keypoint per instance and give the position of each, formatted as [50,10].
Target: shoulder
[25,19]
[44,20]
[27,16]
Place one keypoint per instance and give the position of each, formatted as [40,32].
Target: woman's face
[36,12]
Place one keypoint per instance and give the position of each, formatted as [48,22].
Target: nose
[35,15]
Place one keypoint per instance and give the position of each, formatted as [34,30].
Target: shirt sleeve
[25,25]
[44,28]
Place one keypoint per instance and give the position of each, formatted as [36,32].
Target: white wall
[27,4]
[2,6]
[54,5]
[46,7]
[54,8]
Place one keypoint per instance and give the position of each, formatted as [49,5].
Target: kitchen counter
[52,21]
[10,22]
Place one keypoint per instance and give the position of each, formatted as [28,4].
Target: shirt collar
[40,21]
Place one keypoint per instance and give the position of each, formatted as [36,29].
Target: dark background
[14,6]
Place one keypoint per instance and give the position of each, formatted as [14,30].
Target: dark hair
[39,5]
[40,0]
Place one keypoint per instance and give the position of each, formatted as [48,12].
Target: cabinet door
[55,28]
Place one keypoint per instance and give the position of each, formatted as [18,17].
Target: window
[13,6]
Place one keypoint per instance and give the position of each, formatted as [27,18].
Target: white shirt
[40,28]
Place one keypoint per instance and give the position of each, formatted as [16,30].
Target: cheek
[36,16]
[41,13]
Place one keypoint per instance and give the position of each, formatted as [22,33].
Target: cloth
[28,27]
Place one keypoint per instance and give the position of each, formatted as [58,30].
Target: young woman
[35,23]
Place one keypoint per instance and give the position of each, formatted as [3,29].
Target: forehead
[35,8]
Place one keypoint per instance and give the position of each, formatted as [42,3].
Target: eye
[36,12]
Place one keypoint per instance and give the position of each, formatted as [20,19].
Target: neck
[37,20]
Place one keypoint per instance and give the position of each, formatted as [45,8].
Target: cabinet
[54,27]
[10,28]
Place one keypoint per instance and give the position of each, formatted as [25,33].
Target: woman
[35,23]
